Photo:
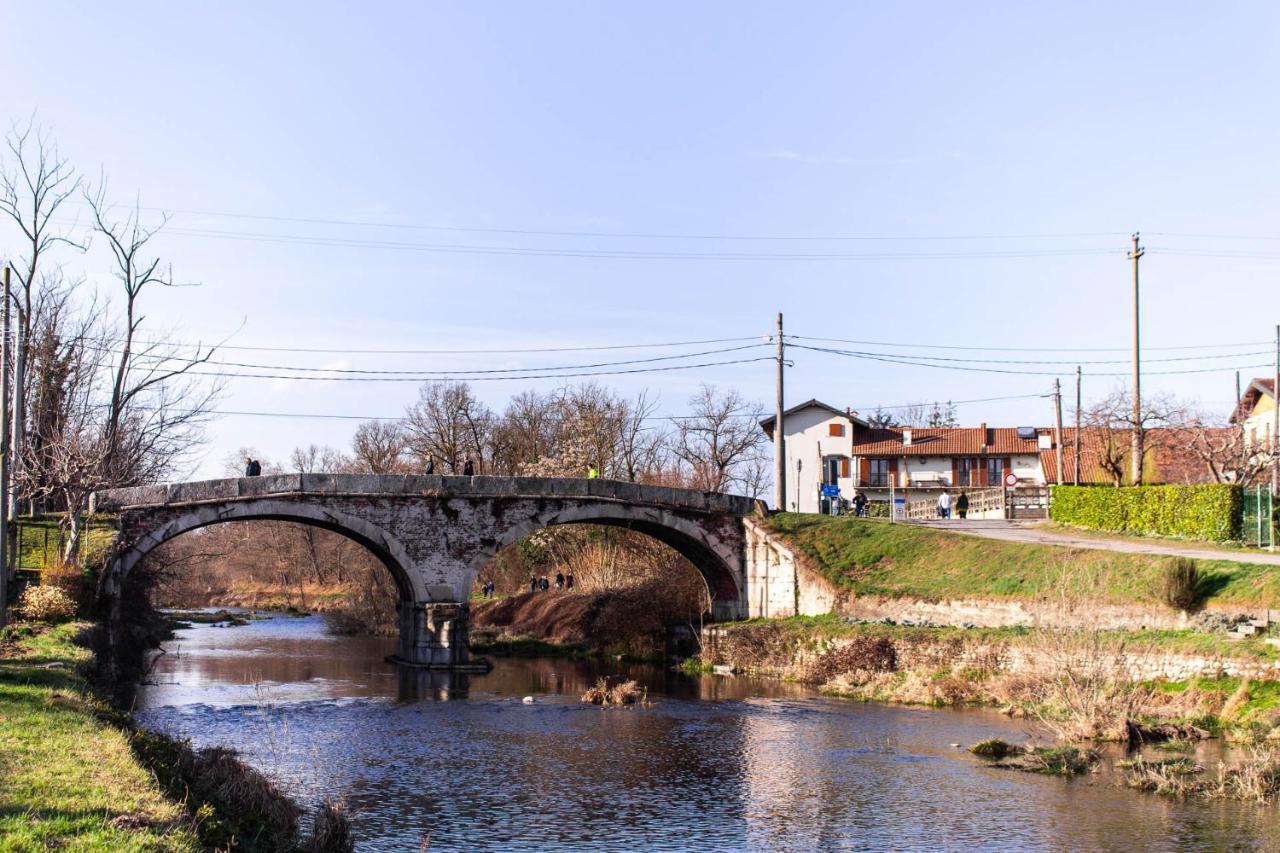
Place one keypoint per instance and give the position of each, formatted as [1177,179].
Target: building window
[964,471]
[878,472]
[831,470]
[995,472]
[836,430]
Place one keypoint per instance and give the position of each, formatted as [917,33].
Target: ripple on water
[768,768]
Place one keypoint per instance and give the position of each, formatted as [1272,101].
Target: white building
[836,449]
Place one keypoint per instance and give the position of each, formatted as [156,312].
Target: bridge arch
[718,561]
[383,545]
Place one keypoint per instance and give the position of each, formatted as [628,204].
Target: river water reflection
[715,763]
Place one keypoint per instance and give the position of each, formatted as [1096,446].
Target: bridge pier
[436,635]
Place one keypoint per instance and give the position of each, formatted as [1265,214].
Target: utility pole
[1137,449]
[1076,478]
[18,421]
[779,433]
[1275,428]
[4,457]
[1057,426]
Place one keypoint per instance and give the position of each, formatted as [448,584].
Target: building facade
[833,454]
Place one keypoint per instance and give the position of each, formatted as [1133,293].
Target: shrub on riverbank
[46,604]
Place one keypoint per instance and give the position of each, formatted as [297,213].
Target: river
[715,763]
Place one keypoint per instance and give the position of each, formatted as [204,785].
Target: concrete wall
[777,584]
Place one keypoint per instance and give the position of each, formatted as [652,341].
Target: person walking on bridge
[252,468]
[431,466]
[468,467]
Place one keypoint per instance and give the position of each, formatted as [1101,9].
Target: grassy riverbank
[68,778]
[1101,678]
[872,557]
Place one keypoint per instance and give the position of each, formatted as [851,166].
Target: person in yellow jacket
[592,473]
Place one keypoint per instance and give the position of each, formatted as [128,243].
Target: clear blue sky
[746,119]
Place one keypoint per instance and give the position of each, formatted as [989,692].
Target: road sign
[830,491]
[1011,480]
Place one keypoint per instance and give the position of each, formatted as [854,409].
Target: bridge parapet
[398,485]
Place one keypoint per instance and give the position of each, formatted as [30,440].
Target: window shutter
[955,474]
[844,466]
[835,430]
[864,470]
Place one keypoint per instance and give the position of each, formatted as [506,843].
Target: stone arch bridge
[435,534]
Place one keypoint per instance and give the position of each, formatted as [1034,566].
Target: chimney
[906,438]
[985,437]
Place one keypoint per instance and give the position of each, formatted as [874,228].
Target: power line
[908,360]
[618,254]
[421,371]
[636,235]
[447,377]
[515,351]
[1024,349]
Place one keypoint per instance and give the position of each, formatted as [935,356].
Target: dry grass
[626,692]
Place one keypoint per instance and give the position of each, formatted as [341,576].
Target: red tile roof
[944,441]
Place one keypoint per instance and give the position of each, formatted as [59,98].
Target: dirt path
[1022,531]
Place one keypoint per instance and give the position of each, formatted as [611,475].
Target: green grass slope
[873,557]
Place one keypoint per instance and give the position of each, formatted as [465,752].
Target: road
[1036,532]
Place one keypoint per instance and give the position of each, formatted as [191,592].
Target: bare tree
[380,447]
[721,443]
[1109,425]
[643,450]
[448,423]
[134,410]
[318,459]
[35,182]
[1221,449]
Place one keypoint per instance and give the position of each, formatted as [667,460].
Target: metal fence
[1259,525]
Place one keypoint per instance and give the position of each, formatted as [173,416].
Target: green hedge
[1211,512]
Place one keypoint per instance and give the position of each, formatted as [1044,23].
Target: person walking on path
[962,505]
[543,585]
[944,505]
[533,584]
[468,467]
[559,580]
[568,581]
[860,505]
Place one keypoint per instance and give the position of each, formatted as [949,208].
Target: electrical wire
[626,234]
[448,377]
[421,371]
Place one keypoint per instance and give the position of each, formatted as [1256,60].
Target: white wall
[808,441]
